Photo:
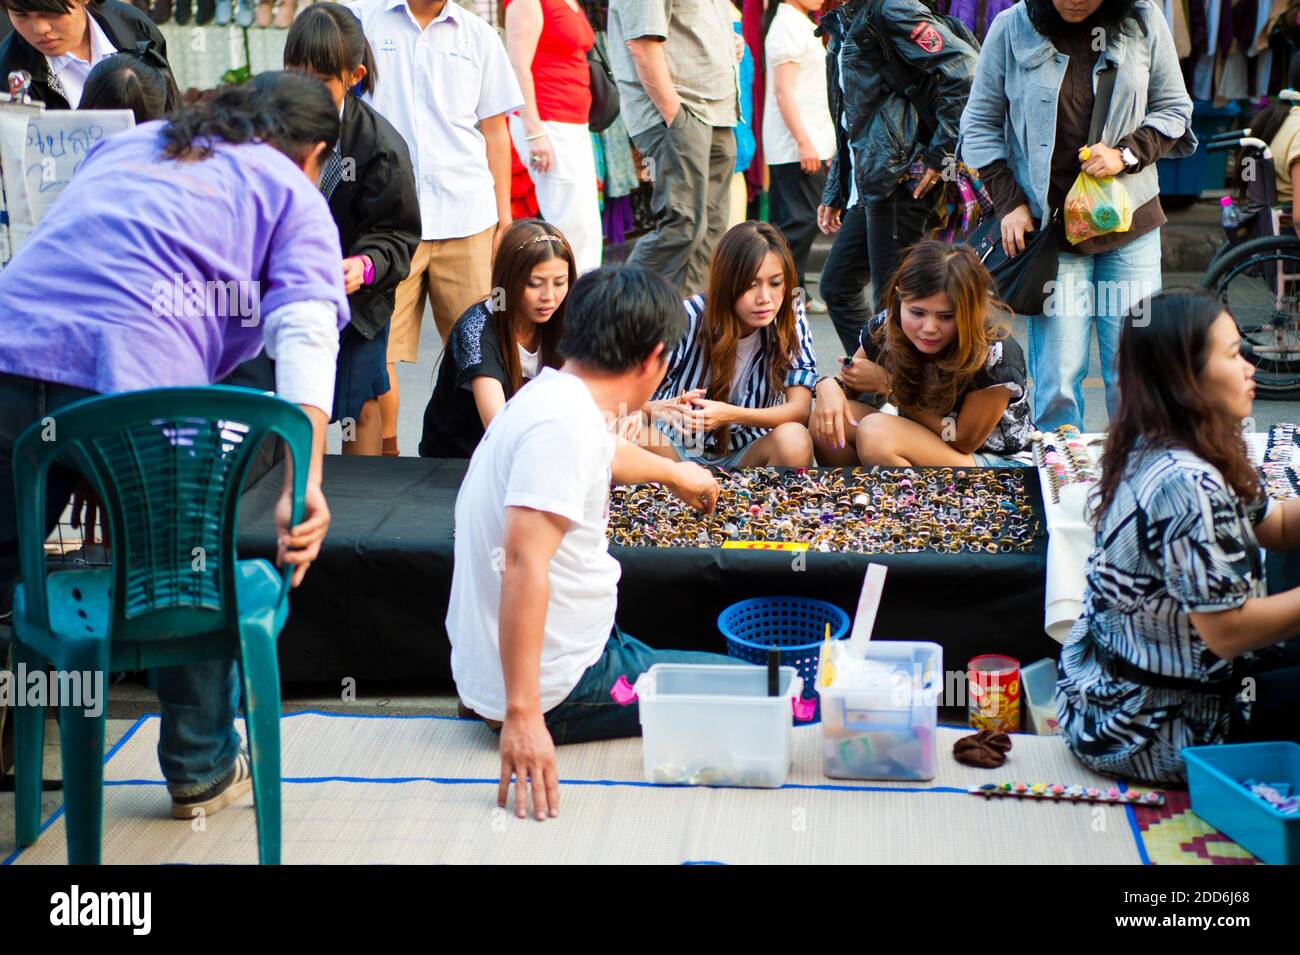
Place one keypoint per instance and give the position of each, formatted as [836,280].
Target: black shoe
[160,11]
[207,10]
[219,795]
[184,10]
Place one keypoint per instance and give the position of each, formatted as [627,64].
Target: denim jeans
[1090,289]
[198,743]
[590,713]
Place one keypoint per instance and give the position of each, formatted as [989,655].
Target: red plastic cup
[993,693]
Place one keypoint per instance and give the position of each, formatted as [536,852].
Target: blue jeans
[198,743]
[590,713]
[1090,289]
[987,459]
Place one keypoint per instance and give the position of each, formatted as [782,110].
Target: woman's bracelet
[529,139]
[838,380]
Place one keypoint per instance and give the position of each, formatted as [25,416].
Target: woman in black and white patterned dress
[1170,650]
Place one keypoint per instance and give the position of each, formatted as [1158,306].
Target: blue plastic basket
[794,625]
[1214,777]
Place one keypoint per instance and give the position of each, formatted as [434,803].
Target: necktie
[332,175]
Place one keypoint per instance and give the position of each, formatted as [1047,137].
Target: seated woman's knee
[876,439]
[792,445]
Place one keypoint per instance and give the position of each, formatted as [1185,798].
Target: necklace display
[1064,458]
[907,510]
[1280,459]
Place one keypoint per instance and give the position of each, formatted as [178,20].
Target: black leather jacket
[882,127]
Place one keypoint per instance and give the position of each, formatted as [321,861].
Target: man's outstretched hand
[528,754]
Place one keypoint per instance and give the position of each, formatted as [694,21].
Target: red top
[561,77]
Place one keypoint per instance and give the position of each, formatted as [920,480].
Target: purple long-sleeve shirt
[150,272]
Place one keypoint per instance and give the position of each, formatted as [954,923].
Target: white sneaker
[815,306]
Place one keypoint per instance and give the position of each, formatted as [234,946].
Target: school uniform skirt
[362,371]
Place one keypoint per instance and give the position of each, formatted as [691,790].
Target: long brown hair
[732,270]
[1161,403]
[526,244]
[928,268]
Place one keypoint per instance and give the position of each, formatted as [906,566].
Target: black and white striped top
[1176,540]
[688,368]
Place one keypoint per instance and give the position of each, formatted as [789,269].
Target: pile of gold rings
[908,510]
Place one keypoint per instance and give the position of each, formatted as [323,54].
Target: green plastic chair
[168,465]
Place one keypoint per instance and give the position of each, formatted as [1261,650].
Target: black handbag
[1024,281]
[604,92]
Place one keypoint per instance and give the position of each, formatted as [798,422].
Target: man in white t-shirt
[533,594]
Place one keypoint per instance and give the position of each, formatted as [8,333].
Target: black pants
[845,276]
[1275,712]
[894,224]
[868,247]
[23,401]
[794,197]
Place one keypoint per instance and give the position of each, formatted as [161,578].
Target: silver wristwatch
[1130,161]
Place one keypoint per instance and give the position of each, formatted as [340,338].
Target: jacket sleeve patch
[927,38]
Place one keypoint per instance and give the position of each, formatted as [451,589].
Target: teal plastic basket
[1214,778]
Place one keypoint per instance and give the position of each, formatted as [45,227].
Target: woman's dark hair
[733,268]
[1162,351]
[327,40]
[56,7]
[526,244]
[1112,15]
[1268,120]
[929,268]
[286,110]
[769,15]
[124,81]
[617,315]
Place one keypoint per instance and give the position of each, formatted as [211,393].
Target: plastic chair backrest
[168,465]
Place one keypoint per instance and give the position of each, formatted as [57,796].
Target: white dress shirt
[72,70]
[302,338]
[435,85]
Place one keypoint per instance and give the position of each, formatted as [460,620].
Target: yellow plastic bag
[1096,207]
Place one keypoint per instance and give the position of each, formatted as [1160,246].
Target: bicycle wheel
[1259,284]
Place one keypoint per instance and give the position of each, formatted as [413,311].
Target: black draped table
[373,605]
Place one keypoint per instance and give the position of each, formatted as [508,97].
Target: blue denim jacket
[1011,113]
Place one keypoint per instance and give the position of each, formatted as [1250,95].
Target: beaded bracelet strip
[1055,792]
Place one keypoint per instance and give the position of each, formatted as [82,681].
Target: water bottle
[1230,215]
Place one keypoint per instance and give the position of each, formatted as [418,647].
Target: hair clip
[544,237]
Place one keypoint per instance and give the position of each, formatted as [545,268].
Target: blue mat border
[54,816]
[461,780]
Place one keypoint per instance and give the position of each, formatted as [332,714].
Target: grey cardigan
[1011,113]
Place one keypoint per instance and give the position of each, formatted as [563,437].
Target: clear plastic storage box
[1038,683]
[886,731]
[715,725]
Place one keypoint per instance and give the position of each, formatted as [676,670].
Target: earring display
[902,511]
